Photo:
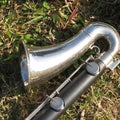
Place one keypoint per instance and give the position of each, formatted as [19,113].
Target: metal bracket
[96,47]
[112,65]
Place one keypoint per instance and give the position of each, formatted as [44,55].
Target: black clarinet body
[73,90]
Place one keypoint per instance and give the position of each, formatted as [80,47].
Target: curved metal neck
[43,64]
[98,30]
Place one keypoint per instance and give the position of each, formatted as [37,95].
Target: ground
[41,23]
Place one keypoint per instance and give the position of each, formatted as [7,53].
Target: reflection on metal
[24,70]
[42,64]
[113,64]
[93,68]
[57,103]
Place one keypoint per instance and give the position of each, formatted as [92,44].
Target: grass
[42,23]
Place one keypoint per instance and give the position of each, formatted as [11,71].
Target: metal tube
[43,64]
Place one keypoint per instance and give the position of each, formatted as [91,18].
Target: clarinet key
[57,103]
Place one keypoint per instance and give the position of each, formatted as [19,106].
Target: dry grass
[42,23]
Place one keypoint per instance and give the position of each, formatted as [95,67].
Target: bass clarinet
[40,64]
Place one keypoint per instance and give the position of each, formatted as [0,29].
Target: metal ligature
[38,65]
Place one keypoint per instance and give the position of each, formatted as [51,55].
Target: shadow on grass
[10,78]
[103,11]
